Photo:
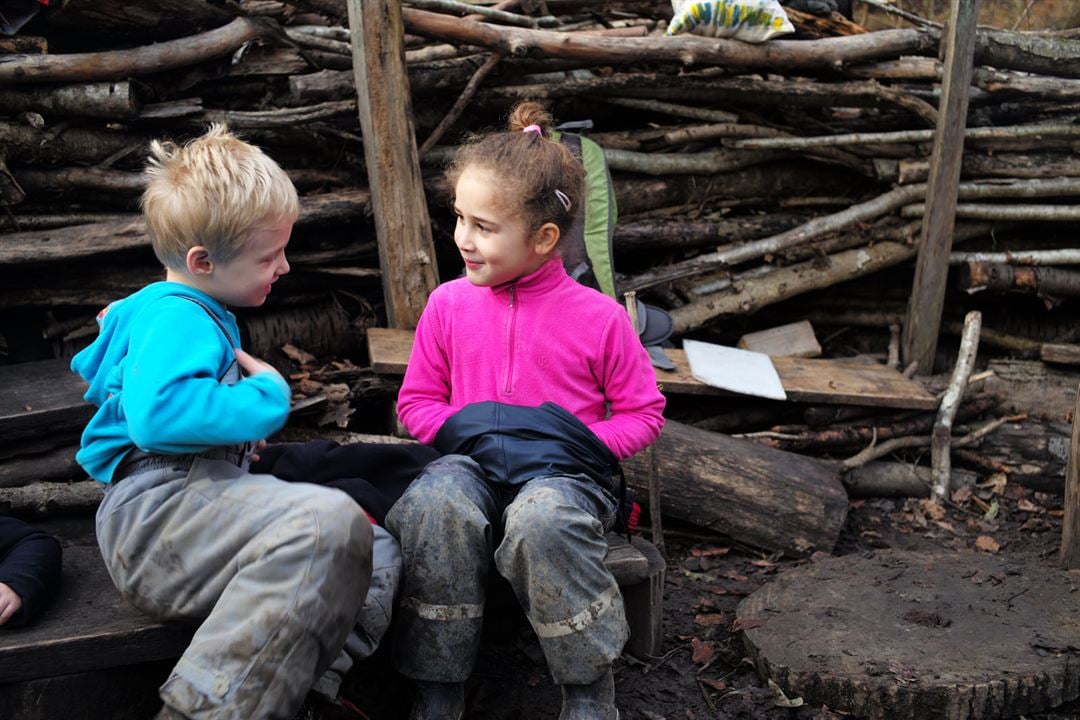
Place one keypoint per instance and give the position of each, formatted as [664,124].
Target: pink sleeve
[629,384]
[424,398]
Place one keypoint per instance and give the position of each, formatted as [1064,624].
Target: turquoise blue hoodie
[154,374]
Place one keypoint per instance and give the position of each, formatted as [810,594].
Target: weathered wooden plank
[40,398]
[804,380]
[1070,526]
[89,626]
[406,251]
[923,322]
[795,339]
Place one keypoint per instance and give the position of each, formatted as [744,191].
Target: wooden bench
[91,649]
[804,379]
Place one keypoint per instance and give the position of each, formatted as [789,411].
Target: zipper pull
[513,294]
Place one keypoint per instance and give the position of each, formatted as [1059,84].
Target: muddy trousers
[374,618]
[546,537]
[275,572]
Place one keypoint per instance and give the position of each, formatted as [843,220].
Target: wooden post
[932,265]
[406,251]
[1070,526]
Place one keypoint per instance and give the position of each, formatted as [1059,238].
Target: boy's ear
[198,261]
[546,238]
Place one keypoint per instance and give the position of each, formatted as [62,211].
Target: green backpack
[587,249]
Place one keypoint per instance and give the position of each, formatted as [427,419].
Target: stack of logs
[745,175]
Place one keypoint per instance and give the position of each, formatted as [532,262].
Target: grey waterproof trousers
[274,571]
[546,537]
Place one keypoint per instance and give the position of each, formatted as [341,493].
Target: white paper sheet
[734,369]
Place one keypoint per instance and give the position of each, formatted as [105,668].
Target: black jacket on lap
[373,474]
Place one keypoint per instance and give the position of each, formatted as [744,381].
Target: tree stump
[901,635]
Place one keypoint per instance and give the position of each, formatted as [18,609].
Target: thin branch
[940,461]
[460,104]
[506,18]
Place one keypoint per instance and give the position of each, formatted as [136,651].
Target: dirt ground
[703,672]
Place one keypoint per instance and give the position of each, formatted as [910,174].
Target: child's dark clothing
[30,565]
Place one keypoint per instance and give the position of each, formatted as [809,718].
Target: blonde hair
[213,191]
[530,166]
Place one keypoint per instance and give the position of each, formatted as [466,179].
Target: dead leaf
[714,683]
[710,552]
[709,619]
[301,357]
[763,563]
[933,510]
[945,525]
[783,700]
[987,544]
[995,483]
[718,590]
[961,495]
[1025,505]
[746,624]
[701,653]
[337,392]
[309,387]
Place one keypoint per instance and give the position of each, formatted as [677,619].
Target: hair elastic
[533,129]
[563,199]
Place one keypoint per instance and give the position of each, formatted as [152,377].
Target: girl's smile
[494,243]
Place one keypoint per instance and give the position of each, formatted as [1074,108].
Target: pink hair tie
[533,129]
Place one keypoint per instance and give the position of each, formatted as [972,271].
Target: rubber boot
[595,701]
[438,701]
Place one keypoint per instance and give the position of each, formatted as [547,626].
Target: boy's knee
[341,525]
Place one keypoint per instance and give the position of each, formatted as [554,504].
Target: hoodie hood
[103,357]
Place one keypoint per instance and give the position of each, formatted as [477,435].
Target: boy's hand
[253,456]
[10,602]
[252,365]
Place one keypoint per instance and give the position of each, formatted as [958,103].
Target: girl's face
[495,243]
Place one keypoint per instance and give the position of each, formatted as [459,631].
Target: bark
[941,437]
[763,497]
[786,93]
[1000,49]
[999,165]
[62,145]
[108,100]
[69,243]
[686,49]
[119,64]
[675,235]
[1046,281]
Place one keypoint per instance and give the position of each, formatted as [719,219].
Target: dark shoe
[595,701]
[318,706]
[438,701]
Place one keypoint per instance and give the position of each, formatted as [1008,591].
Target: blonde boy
[273,572]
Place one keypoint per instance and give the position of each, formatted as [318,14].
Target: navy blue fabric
[373,474]
[30,561]
[515,444]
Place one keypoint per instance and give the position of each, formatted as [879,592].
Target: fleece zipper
[508,387]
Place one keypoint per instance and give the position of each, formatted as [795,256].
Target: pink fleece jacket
[542,338]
